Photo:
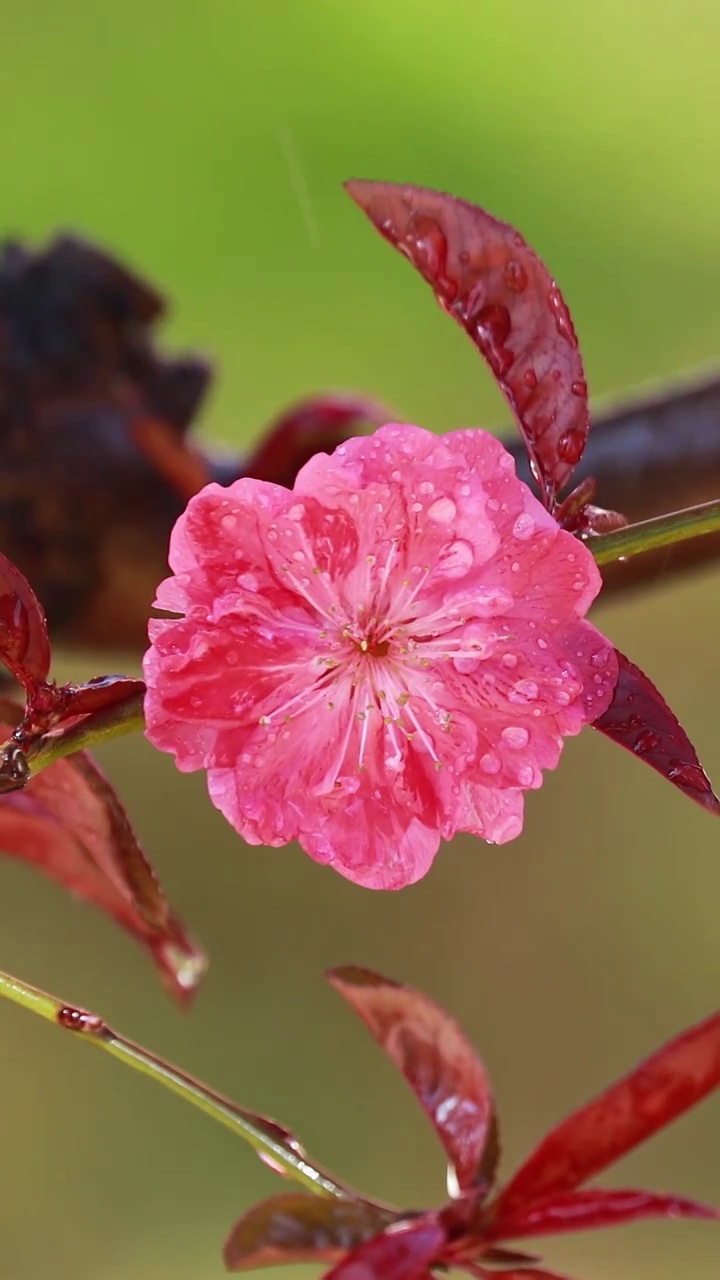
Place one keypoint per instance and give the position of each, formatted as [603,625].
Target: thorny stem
[661,531]
[263,1135]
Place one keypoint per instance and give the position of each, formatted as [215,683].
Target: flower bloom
[388,653]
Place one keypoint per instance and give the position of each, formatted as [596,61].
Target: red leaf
[583,1210]
[488,279]
[98,695]
[660,1089]
[439,1064]
[302,1228]
[24,642]
[69,822]
[316,425]
[404,1251]
[640,720]
[524,1273]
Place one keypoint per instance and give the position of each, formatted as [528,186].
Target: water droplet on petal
[491,763]
[515,736]
[443,511]
[524,526]
[530,379]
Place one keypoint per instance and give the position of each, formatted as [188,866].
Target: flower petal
[438,1062]
[389,654]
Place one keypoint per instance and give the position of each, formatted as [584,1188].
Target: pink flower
[388,653]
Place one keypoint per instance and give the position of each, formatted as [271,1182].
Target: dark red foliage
[488,279]
[24,642]
[439,1064]
[69,822]
[312,426]
[640,720]
[377,1242]
[299,1227]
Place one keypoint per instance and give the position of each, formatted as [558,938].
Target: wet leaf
[301,1228]
[488,279]
[584,1210]
[405,1251]
[69,822]
[655,1093]
[640,720]
[99,695]
[316,425]
[24,642]
[439,1064]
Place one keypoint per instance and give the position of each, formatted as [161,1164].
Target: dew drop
[426,243]
[530,379]
[516,277]
[443,511]
[524,527]
[491,763]
[645,742]
[493,326]
[579,388]
[561,315]
[570,446]
[526,775]
[228,523]
[509,660]
[516,737]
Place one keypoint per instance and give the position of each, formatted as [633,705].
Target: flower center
[374,647]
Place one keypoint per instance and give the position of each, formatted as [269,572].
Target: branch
[650,455]
[97,463]
[271,1142]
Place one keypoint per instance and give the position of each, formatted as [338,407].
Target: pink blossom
[388,653]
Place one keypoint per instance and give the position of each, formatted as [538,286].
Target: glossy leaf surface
[69,822]
[439,1064]
[24,642]
[494,285]
[301,1228]
[640,720]
[655,1093]
[584,1210]
[405,1252]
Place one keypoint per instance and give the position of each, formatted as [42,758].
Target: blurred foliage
[206,145]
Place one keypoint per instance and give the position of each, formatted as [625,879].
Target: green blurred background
[206,144]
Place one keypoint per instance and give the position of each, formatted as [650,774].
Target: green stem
[124,717]
[661,531]
[268,1139]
